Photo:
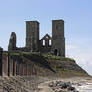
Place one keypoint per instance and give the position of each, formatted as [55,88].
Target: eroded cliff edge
[50,65]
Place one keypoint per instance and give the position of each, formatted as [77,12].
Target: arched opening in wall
[43,43]
[56,52]
[49,42]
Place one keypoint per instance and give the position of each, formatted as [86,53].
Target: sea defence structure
[48,44]
[11,66]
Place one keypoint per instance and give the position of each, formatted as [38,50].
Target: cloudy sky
[77,15]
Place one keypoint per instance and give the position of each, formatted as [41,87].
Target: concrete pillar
[11,66]
[28,70]
[14,67]
[17,68]
[1,51]
[4,65]
[22,69]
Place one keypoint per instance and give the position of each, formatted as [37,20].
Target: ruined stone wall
[33,43]
[12,42]
[45,44]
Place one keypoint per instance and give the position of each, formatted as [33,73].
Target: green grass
[49,56]
[72,73]
[5,53]
[51,60]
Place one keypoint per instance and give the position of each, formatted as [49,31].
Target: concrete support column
[28,69]
[17,68]
[11,67]
[1,52]
[4,65]
[22,69]
[14,67]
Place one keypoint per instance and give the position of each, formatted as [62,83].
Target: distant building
[54,44]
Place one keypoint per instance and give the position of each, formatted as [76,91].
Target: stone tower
[12,42]
[58,39]
[32,35]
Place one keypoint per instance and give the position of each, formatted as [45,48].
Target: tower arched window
[43,42]
[49,42]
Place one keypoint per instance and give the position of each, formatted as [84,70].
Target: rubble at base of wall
[19,84]
[23,83]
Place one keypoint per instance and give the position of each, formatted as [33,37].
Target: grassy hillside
[50,65]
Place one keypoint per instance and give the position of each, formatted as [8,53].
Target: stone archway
[56,52]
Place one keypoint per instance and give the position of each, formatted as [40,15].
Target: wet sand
[82,84]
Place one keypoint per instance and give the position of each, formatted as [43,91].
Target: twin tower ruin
[54,44]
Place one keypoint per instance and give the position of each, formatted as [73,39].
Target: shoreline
[82,84]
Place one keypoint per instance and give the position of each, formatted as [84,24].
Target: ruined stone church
[54,44]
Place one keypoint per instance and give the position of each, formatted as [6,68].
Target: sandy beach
[82,84]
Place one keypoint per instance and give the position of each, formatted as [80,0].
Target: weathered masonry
[13,67]
[54,44]
[32,35]
[58,40]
